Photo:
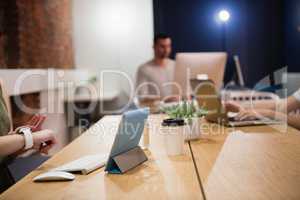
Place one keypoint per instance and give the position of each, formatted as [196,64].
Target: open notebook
[256,166]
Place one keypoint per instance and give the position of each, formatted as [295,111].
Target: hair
[160,36]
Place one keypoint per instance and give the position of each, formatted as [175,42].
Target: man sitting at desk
[279,110]
[154,77]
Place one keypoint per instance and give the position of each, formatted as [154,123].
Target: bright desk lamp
[224,17]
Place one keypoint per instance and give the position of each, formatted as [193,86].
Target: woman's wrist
[275,115]
[20,140]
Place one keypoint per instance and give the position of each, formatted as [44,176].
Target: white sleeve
[297,95]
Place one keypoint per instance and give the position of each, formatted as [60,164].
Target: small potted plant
[189,112]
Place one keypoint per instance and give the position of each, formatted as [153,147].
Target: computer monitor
[239,70]
[191,65]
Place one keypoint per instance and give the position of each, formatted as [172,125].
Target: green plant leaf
[184,110]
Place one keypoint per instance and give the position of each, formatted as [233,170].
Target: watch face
[24,129]
[26,132]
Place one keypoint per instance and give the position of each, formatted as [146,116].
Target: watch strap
[28,137]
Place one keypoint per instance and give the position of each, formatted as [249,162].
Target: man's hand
[252,114]
[248,115]
[43,140]
[231,106]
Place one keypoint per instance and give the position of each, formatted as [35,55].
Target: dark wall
[292,34]
[255,31]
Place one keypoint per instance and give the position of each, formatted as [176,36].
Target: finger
[244,116]
[44,146]
[33,120]
[247,116]
[46,149]
[253,117]
[240,115]
[250,116]
[44,152]
[231,106]
[51,139]
[38,121]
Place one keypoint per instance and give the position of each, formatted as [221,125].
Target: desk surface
[224,175]
[256,166]
[208,148]
[161,177]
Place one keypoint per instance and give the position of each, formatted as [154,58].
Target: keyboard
[234,123]
[253,123]
[84,165]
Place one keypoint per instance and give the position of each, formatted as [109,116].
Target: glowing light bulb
[224,15]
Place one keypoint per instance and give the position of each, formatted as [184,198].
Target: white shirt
[152,79]
[297,95]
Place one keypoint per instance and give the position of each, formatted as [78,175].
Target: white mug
[174,139]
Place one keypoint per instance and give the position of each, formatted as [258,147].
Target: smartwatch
[27,133]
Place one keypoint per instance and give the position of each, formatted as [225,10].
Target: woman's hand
[43,140]
[35,124]
[14,144]
[252,114]
[248,114]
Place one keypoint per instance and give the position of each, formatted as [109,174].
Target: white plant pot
[192,129]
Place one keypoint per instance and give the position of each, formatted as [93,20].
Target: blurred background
[84,38]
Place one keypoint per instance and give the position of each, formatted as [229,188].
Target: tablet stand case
[126,161]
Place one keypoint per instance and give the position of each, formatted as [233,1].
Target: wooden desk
[256,166]
[208,148]
[275,157]
[161,177]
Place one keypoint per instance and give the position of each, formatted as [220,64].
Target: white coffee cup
[192,129]
[173,137]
